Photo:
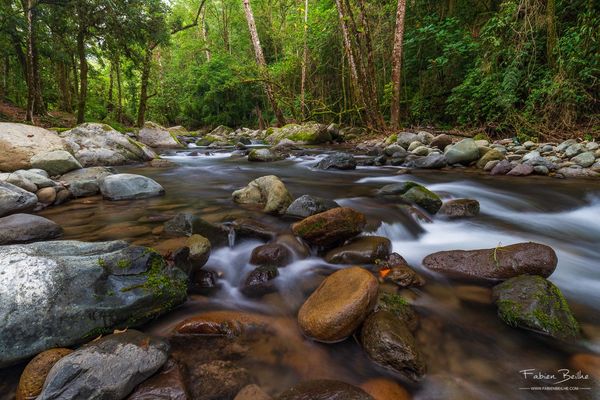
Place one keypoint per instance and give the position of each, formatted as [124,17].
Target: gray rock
[395,149]
[58,294]
[99,144]
[463,152]
[502,168]
[574,149]
[541,170]
[420,151]
[14,199]
[592,146]
[406,138]
[129,186]
[414,145]
[432,161]
[584,159]
[490,165]
[55,162]
[264,155]
[305,206]
[21,228]
[531,155]
[91,173]
[564,145]
[84,188]
[425,137]
[460,208]
[18,180]
[521,170]
[184,224]
[155,135]
[541,161]
[534,303]
[441,141]
[343,161]
[106,369]
[39,180]
[568,172]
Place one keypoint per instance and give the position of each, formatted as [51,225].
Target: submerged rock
[361,250]
[339,305]
[218,380]
[184,224]
[534,303]
[268,192]
[94,287]
[389,342]
[492,265]
[167,384]
[414,193]
[306,205]
[343,161]
[109,368]
[324,389]
[460,208]
[330,227]
[129,186]
[22,228]
[385,389]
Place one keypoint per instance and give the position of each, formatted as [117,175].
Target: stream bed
[470,352]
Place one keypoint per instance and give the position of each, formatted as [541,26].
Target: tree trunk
[397,64]
[262,64]
[30,75]
[304,61]
[39,107]
[119,92]
[5,75]
[83,74]
[75,86]
[63,87]
[111,105]
[348,48]
[204,34]
[551,38]
[144,89]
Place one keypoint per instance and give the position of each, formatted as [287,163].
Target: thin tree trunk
[75,86]
[204,34]
[30,75]
[119,92]
[262,64]
[111,105]
[5,76]
[397,64]
[551,38]
[39,107]
[83,75]
[63,86]
[144,88]
[304,62]
[348,47]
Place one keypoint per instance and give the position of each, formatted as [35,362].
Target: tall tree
[304,61]
[397,64]
[262,64]
[35,104]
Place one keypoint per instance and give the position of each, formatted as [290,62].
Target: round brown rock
[339,305]
[46,195]
[34,375]
[493,265]
[385,389]
[271,254]
[330,227]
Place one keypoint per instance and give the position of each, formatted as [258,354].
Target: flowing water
[470,352]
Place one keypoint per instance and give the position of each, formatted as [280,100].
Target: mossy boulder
[66,292]
[534,303]
[414,193]
[264,155]
[331,227]
[309,133]
[491,155]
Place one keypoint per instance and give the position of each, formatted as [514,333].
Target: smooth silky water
[467,347]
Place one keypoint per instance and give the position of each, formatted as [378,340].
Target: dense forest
[526,67]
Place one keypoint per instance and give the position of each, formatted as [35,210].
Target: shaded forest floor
[54,119]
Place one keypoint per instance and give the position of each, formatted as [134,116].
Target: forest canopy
[527,67]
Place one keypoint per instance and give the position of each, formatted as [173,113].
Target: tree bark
[204,34]
[348,48]
[119,91]
[551,38]
[63,86]
[83,74]
[397,64]
[262,64]
[144,88]
[30,75]
[304,62]
[111,105]
[5,76]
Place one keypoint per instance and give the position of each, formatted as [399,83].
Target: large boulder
[20,142]
[13,199]
[388,341]
[463,152]
[129,186]
[264,155]
[154,135]
[88,174]
[55,162]
[267,192]
[361,250]
[56,294]
[109,368]
[534,303]
[21,228]
[306,205]
[492,155]
[324,389]
[414,193]
[493,265]
[343,161]
[309,133]
[339,305]
[331,227]
[404,139]
[100,145]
